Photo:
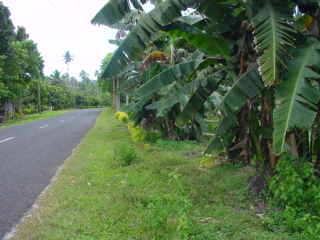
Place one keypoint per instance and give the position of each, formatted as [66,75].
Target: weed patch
[125,155]
[296,190]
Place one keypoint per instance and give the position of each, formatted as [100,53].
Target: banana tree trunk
[114,93]
[316,147]
[118,100]
[270,159]
[19,105]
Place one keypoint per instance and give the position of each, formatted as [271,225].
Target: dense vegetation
[23,86]
[252,63]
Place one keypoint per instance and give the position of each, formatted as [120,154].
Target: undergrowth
[295,190]
[165,195]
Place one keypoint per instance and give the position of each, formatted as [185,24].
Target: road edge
[36,205]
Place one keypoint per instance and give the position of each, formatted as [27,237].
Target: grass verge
[32,117]
[162,195]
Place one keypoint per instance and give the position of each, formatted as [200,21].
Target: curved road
[29,157]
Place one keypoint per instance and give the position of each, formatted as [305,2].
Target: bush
[29,110]
[138,134]
[125,155]
[296,190]
[122,116]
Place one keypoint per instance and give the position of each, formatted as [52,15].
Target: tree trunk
[19,104]
[118,100]
[9,110]
[267,122]
[293,145]
[114,93]
[254,126]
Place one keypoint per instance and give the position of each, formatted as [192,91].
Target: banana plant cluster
[258,58]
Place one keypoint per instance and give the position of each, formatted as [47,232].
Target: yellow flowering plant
[122,116]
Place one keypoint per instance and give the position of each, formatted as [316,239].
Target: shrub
[125,155]
[138,134]
[122,116]
[296,190]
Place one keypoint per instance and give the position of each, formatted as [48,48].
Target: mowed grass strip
[162,195]
[32,117]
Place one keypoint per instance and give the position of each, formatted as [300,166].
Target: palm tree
[68,58]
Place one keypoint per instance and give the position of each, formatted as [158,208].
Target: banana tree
[266,59]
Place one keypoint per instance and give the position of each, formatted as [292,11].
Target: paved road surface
[29,157]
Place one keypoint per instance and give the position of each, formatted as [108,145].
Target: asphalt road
[29,157]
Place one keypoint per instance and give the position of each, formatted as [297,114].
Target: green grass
[161,195]
[32,117]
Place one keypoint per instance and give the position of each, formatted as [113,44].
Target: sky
[58,26]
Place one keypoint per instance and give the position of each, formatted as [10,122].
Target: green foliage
[139,134]
[116,10]
[4,91]
[142,33]
[165,196]
[297,97]
[167,76]
[22,82]
[195,105]
[20,63]
[125,155]
[296,190]
[64,91]
[105,84]
[209,44]
[247,86]
[265,90]
[169,213]
[272,37]
[171,145]
[7,33]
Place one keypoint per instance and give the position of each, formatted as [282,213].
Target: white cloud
[61,25]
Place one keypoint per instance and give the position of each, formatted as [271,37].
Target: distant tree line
[62,91]
[23,86]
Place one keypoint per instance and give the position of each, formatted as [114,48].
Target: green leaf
[272,37]
[114,11]
[208,44]
[168,76]
[247,86]
[223,135]
[138,39]
[175,95]
[197,100]
[296,97]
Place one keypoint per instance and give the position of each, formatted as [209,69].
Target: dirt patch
[193,154]
[257,185]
